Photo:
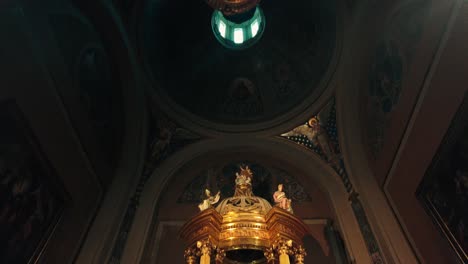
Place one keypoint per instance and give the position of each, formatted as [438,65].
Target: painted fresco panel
[444,188]
[397,72]
[31,196]
[389,70]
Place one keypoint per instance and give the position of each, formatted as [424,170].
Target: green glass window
[222,29]
[235,34]
[238,35]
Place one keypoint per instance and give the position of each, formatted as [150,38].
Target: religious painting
[320,134]
[31,197]
[165,138]
[444,188]
[389,68]
[385,82]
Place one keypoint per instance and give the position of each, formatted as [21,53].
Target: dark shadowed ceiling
[197,73]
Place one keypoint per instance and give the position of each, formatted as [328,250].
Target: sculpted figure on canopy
[244,182]
[281,200]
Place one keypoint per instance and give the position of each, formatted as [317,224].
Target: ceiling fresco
[165,137]
[96,83]
[32,196]
[239,87]
[388,70]
[444,188]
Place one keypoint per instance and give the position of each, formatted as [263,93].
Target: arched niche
[217,172]
[175,171]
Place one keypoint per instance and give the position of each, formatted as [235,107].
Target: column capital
[220,255]
[299,254]
[270,255]
[190,255]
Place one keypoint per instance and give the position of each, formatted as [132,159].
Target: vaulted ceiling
[137,101]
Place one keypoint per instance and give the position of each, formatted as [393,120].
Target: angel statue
[209,201]
[281,200]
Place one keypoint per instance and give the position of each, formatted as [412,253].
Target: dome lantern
[237,24]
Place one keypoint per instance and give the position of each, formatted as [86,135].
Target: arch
[307,163]
[102,235]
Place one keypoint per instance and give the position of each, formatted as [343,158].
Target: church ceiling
[217,84]
[192,71]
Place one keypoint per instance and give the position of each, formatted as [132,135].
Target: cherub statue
[281,200]
[209,201]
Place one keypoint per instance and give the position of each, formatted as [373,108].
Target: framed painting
[32,197]
[444,188]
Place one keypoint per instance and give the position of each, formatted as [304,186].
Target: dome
[232,71]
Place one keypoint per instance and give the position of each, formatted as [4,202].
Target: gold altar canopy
[244,229]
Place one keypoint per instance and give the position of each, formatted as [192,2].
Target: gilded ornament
[246,221]
[299,254]
[209,200]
